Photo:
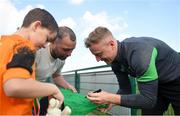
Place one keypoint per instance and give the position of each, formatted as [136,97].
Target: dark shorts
[43,105]
[167,93]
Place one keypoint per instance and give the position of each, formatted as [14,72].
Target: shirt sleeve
[151,72]
[21,63]
[16,73]
[148,85]
[145,99]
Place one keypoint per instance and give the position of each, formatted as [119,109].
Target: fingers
[95,99]
[91,94]
[104,110]
[109,108]
[74,90]
[92,98]
[99,98]
[59,96]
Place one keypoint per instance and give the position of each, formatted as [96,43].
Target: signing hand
[104,98]
[99,98]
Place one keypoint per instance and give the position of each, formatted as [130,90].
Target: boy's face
[42,36]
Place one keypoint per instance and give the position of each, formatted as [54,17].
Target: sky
[124,18]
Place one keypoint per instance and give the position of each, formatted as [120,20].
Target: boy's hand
[58,95]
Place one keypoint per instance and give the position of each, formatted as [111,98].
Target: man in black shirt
[152,62]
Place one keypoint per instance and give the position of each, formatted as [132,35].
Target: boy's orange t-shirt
[8,47]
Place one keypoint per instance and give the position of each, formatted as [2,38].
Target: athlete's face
[103,51]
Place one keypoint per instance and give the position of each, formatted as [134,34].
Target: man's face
[64,47]
[103,51]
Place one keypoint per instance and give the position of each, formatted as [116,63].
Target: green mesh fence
[78,103]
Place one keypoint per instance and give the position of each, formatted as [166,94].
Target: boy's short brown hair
[38,14]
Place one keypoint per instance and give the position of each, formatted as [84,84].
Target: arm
[29,88]
[146,99]
[123,80]
[60,81]
[110,98]
[124,84]
[18,78]
[148,86]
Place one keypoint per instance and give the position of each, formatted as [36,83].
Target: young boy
[18,86]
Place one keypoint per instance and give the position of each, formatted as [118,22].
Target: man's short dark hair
[66,31]
[38,14]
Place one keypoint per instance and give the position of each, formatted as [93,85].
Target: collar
[119,52]
[49,52]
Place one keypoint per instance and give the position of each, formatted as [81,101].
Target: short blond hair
[97,35]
